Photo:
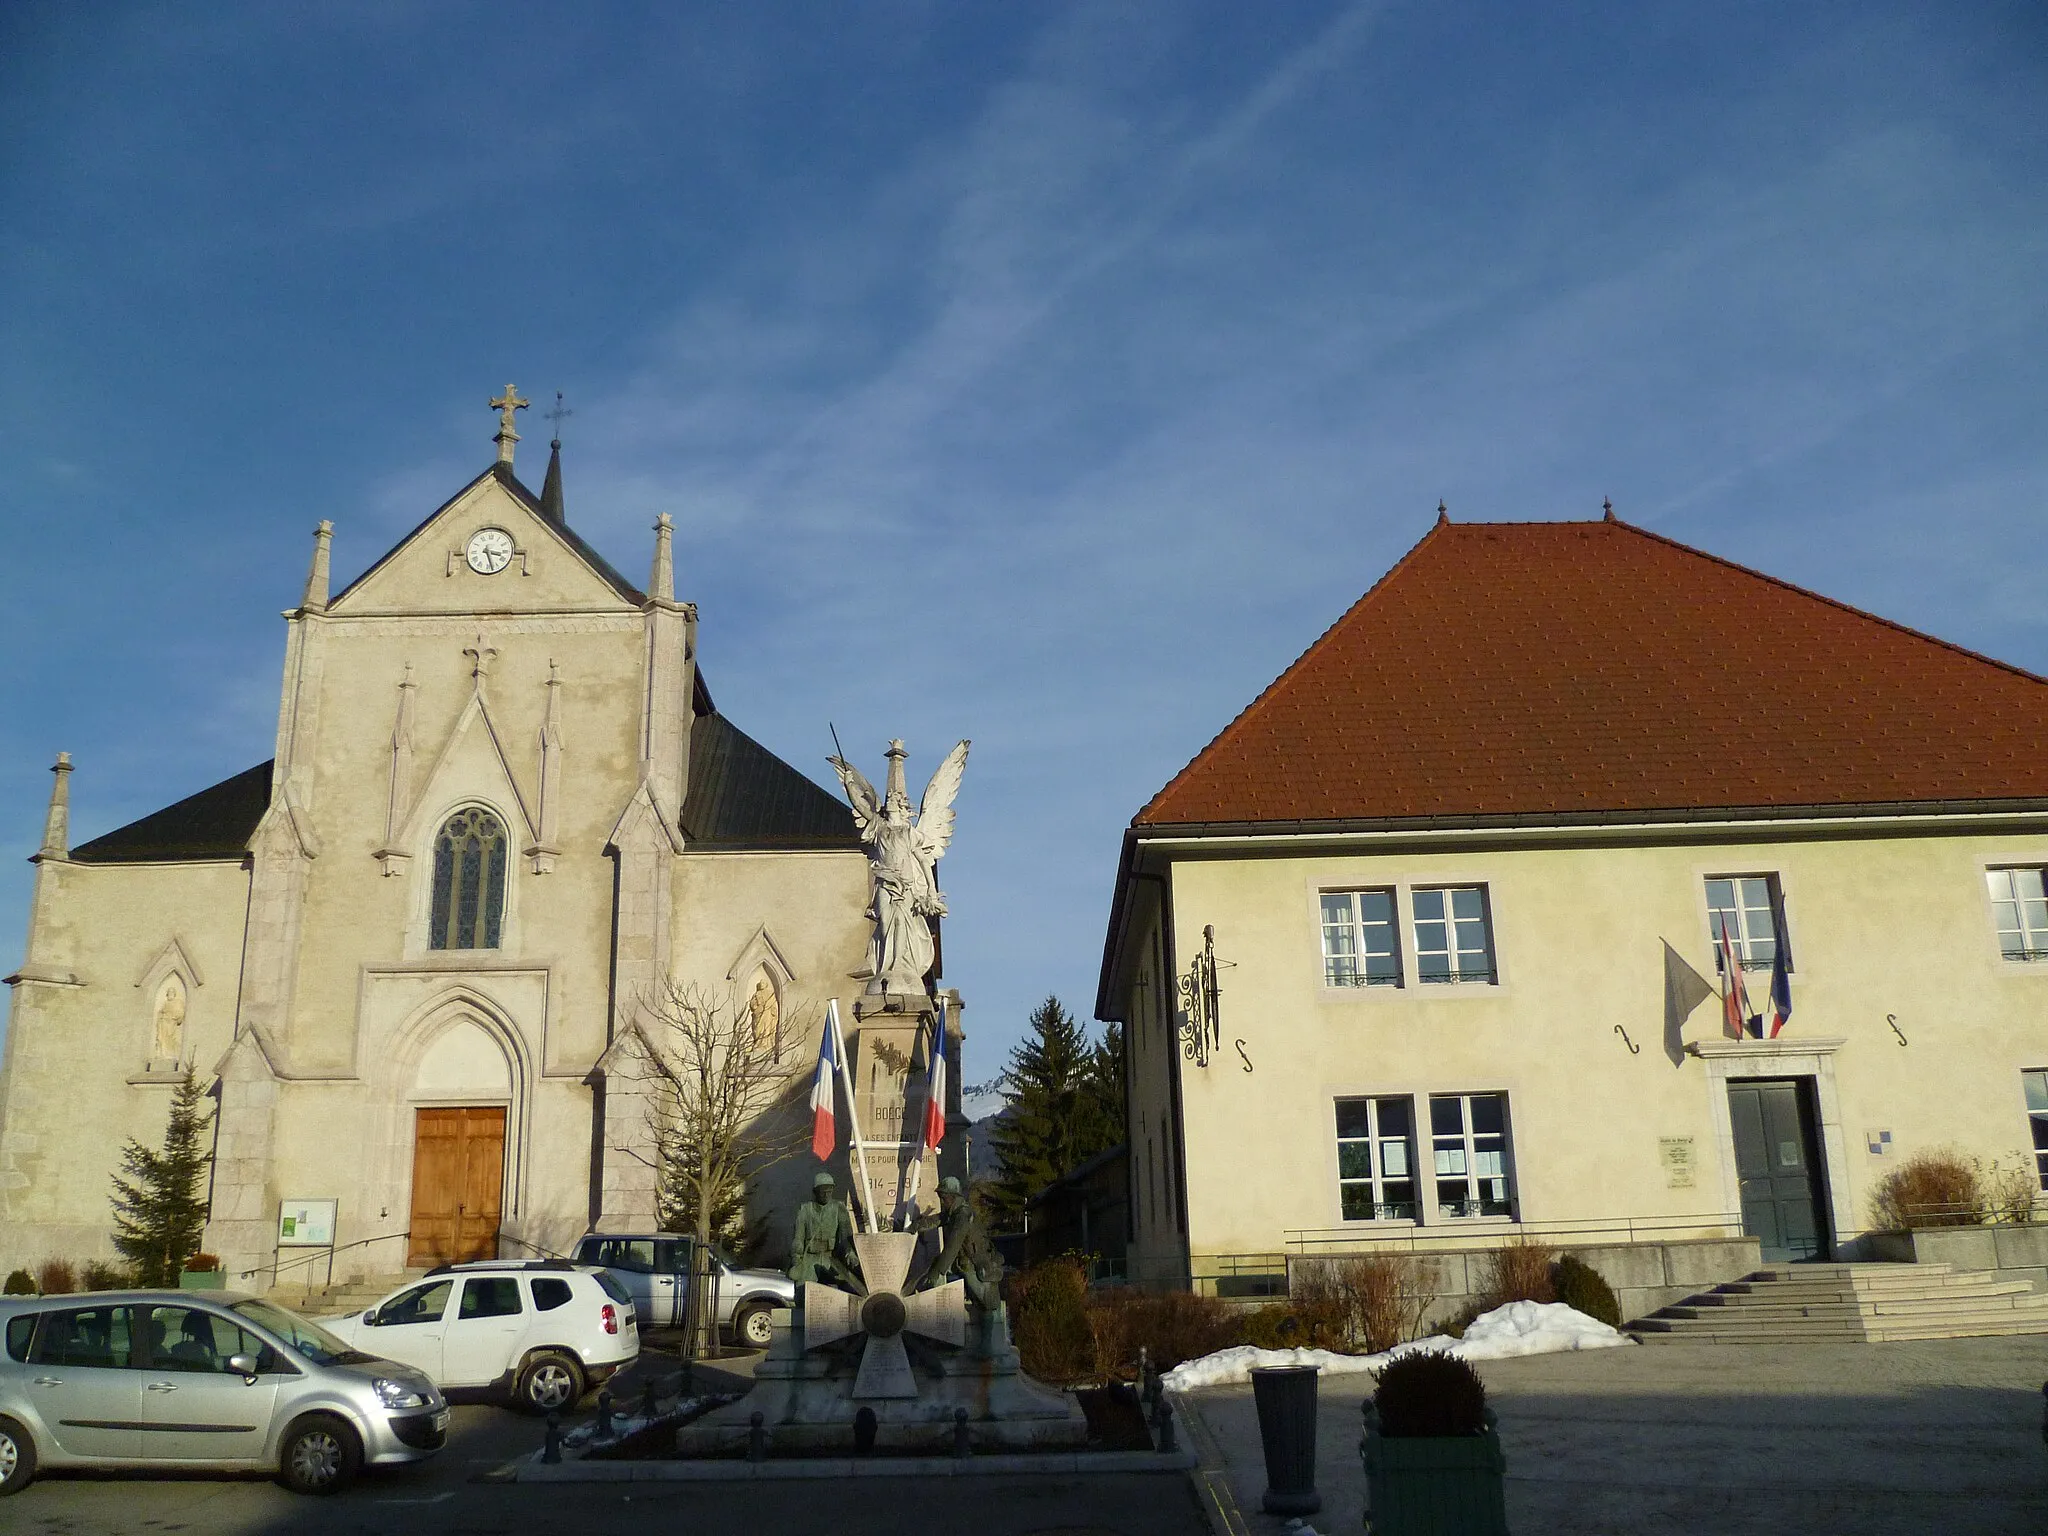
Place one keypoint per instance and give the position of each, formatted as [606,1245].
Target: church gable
[491,548]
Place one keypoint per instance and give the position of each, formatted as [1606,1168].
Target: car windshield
[308,1339]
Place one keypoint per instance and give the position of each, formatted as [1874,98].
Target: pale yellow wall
[67,1101]
[1893,925]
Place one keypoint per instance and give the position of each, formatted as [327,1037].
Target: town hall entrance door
[458,1182]
[1778,1162]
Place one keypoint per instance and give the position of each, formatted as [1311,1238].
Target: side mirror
[370,1318]
[244,1365]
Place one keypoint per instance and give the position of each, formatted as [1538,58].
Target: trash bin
[1285,1396]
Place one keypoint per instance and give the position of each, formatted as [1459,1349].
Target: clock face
[490,551]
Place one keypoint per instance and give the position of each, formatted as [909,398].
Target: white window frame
[2033,947]
[1458,975]
[1468,1151]
[1376,1142]
[1747,943]
[2037,1119]
[1355,929]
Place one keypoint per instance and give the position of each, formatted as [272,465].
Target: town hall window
[2020,908]
[1453,938]
[2037,1117]
[1376,1159]
[469,881]
[1468,1135]
[1748,909]
[1359,947]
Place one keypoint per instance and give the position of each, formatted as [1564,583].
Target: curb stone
[722,1471]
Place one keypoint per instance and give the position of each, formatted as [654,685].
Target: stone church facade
[413,952]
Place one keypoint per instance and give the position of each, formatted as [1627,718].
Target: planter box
[202,1279]
[1448,1485]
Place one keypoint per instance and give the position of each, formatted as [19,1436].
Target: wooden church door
[458,1182]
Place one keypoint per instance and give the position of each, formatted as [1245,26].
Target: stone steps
[1850,1303]
[344,1296]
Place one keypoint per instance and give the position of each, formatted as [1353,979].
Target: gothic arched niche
[167,1020]
[464,1061]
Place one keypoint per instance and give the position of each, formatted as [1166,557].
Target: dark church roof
[744,796]
[216,823]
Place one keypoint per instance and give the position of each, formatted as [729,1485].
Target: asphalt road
[449,1496]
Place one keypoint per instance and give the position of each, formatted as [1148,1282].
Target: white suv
[544,1332]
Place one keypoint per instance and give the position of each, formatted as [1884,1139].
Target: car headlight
[398,1394]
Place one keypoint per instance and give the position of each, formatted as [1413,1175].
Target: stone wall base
[2015,1252]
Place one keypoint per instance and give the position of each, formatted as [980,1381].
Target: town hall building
[1433,945]
[413,953]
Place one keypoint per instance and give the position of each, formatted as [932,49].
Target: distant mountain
[982,1162]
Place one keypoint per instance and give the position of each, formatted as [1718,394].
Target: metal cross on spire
[558,415]
[508,434]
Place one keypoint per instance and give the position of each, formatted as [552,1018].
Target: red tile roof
[1533,669]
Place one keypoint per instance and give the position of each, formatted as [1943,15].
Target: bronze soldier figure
[821,1248]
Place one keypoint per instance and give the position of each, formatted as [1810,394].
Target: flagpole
[917,1167]
[857,1144]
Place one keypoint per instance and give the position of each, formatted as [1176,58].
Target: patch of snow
[1519,1328]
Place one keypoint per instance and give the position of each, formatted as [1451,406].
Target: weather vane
[557,416]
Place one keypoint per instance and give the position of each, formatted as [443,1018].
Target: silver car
[655,1269]
[200,1379]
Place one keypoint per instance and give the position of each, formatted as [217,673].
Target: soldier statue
[968,1253]
[821,1248]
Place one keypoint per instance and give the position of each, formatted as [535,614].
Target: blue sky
[1049,375]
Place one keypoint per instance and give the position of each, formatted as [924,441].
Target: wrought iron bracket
[1200,1027]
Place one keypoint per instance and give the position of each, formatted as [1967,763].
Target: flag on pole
[1781,991]
[824,1122]
[1734,996]
[935,1084]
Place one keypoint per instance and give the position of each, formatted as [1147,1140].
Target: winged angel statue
[905,855]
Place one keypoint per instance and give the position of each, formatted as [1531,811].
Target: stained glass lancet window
[469,881]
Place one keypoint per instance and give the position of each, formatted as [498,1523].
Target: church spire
[57,824]
[315,600]
[551,488]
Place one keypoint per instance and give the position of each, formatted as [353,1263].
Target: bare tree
[719,1088]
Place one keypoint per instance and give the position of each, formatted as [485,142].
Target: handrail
[1491,1231]
[546,1253]
[314,1255]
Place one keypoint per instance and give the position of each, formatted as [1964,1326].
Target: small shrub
[1170,1326]
[1377,1299]
[56,1277]
[1454,1326]
[203,1263]
[20,1283]
[1519,1272]
[98,1275]
[1580,1287]
[1054,1340]
[1939,1188]
[2012,1192]
[1429,1394]
[1295,1325]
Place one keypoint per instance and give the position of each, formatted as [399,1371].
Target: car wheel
[549,1381]
[320,1455]
[755,1326]
[17,1458]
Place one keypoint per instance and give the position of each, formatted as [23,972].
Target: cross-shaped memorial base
[885,1314]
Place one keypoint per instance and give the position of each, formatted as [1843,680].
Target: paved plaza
[1705,1440]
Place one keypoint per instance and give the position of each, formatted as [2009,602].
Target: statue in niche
[168,1036]
[766,1011]
[904,853]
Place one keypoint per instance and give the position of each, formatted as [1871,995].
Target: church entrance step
[1864,1302]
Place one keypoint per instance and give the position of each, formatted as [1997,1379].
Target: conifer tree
[1064,1103]
[160,1203]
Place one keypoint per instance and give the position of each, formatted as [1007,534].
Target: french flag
[935,1085]
[824,1120]
[1781,991]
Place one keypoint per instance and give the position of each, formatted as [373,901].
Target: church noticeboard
[306,1224]
[1675,1153]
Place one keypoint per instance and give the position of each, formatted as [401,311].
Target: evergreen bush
[99,1275]
[1580,1287]
[160,1204]
[1429,1394]
[19,1283]
[1054,1339]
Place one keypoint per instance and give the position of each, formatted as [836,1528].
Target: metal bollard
[647,1407]
[1286,1399]
[1162,1424]
[963,1442]
[1146,1391]
[551,1453]
[604,1415]
[2044,1414]
[757,1436]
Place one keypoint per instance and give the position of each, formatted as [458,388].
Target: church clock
[489,551]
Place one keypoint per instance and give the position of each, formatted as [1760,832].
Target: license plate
[441,1419]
